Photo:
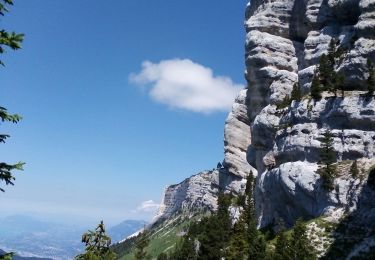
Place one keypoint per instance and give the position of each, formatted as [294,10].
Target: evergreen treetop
[328,157]
[328,154]
[316,91]
[282,246]
[371,77]
[97,244]
[300,244]
[296,92]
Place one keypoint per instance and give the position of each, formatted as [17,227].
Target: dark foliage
[296,92]
[328,156]
[371,77]
[97,245]
[141,245]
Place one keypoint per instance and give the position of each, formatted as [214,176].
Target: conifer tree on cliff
[316,91]
[12,41]
[282,246]
[327,73]
[300,245]
[296,92]
[339,83]
[371,77]
[217,231]
[328,157]
[256,241]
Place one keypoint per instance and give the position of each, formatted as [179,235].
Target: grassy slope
[165,237]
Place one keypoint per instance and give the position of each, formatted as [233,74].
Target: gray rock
[237,138]
[285,40]
[197,193]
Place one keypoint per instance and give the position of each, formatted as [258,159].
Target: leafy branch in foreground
[13,41]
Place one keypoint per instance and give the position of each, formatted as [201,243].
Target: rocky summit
[281,143]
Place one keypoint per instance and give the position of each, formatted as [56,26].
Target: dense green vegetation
[214,236]
[141,244]
[12,41]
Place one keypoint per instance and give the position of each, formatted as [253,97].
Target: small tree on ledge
[371,77]
[296,92]
[316,91]
[328,157]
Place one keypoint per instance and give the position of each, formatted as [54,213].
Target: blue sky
[110,116]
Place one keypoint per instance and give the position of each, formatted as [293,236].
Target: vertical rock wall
[285,39]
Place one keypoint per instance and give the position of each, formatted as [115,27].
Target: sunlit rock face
[284,42]
[199,192]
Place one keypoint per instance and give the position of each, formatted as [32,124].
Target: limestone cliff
[200,191]
[284,41]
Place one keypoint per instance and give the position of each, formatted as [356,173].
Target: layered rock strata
[284,42]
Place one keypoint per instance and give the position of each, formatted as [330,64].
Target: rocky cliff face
[284,41]
[199,192]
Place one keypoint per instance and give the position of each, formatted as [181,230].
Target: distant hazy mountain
[16,257]
[28,236]
[125,229]
[31,237]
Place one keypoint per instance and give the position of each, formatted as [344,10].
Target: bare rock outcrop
[285,40]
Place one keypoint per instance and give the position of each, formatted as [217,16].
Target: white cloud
[147,206]
[187,85]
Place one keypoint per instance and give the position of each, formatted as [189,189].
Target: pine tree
[316,91]
[296,92]
[371,77]
[300,246]
[328,157]
[339,83]
[328,173]
[332,51]
[238,245]
[282,246]
[217,231]
[186,249]
[12,41]
[97,245]
[255,240]
[325,72]
[140,245]
[354,171]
